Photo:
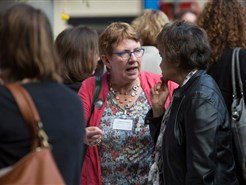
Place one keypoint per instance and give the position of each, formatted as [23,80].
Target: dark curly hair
[225,24]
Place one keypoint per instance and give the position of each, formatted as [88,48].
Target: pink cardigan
[91,170]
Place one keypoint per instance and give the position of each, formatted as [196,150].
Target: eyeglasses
[127,54]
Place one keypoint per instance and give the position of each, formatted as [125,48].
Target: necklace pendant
[135,87]
[133,94]
[126,106]
[125,111]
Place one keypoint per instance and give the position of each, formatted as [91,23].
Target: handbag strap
[236,69]
[239,72]
[96,91]
[30,114]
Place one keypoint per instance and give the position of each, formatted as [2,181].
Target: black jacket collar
[180,90]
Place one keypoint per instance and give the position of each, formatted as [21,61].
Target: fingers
[92,131]
[95,142]
[93,136]
[159,94]
[155,90]
[164,80]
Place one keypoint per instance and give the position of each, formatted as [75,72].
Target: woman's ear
[105,60]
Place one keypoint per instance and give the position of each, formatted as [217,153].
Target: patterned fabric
[126,156]
[154,177]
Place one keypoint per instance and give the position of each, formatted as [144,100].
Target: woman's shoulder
[227,54]
[55,93]
[47,96]
[91,80]
[5,96]
[152,79]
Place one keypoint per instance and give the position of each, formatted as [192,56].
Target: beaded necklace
[125,99]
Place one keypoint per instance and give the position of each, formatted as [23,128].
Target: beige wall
[85,8]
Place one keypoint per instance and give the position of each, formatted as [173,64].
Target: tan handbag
[37,167]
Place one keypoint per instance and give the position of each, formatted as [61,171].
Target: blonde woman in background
[148,25]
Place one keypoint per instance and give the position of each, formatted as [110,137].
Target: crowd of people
[141,103]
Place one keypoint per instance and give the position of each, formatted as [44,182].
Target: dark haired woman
[78,50]
[193,138]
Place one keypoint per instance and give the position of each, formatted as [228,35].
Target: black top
[74,86]
[61,112]
[221,72]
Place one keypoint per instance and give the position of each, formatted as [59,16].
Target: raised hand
[159,94]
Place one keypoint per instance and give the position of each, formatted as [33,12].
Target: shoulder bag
[38,166]
[238,112]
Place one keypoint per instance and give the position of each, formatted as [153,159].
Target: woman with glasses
[119,144]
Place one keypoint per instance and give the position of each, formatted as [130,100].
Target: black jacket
[197,143]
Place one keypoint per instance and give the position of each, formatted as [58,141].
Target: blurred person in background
[186,15]
[28,57]
[120,148]
[78,50]
[149,25]
[225,24]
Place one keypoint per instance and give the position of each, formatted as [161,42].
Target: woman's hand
[158,96]
[93,136]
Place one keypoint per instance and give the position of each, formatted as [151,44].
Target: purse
[238,113]
[38,166]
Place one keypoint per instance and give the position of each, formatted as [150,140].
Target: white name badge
[123,124]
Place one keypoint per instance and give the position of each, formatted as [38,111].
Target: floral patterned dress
[126,155]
